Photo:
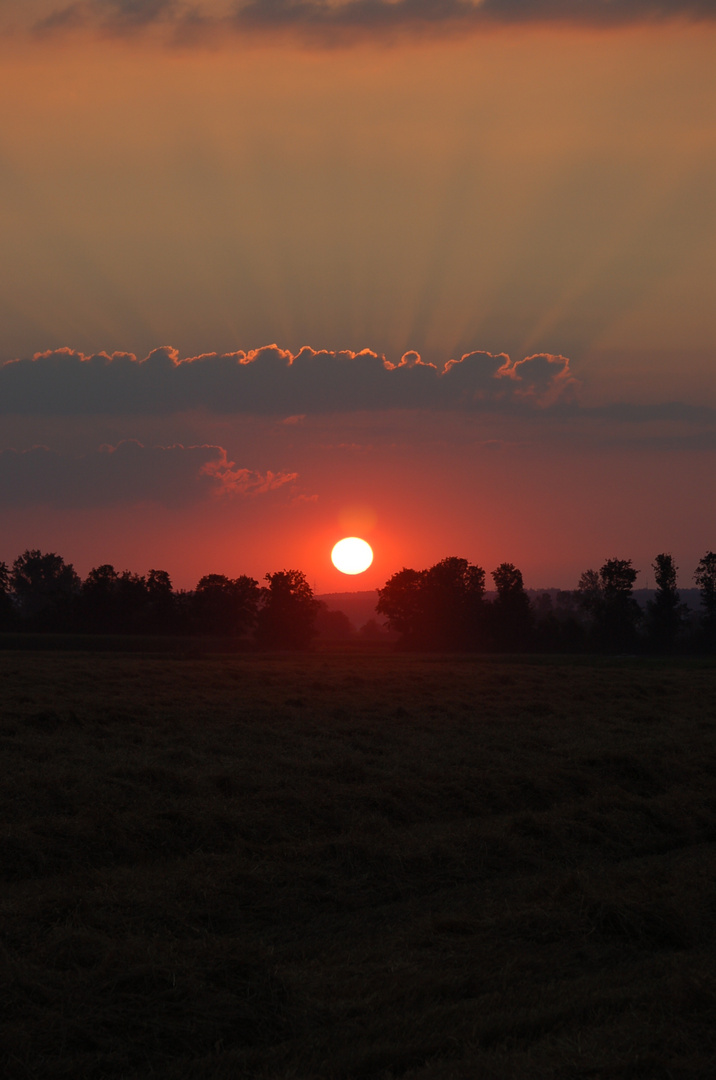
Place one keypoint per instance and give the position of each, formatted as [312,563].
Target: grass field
[371,866]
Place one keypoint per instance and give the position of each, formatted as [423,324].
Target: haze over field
[482,237]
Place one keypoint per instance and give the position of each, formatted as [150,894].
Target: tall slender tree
[8,614]
[664,613]
[705,578]
[512,610]
[161,599]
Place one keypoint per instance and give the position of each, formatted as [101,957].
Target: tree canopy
[440,608]
[287,612]
[606,595]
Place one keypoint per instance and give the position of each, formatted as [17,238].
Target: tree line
[41,592]
[445,607]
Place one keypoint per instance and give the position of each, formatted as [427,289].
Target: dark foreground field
[357,866]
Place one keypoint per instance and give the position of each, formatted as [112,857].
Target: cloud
[542,378]
[669,411]
[273,381]
[378,15]
[114,17]
[128,473]
[341,21]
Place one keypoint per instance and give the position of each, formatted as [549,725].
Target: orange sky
[533,189]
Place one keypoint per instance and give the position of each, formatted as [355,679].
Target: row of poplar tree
[444,607]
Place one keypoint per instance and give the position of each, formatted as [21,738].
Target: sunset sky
[437,274]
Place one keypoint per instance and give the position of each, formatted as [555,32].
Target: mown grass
[370,866]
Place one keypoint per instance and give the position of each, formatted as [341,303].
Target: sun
[352,555]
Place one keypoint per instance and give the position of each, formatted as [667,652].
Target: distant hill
[690,597]
[358,606]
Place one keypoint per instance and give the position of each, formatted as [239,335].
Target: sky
[437,274]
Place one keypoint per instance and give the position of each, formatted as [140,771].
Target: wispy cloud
[128,473]
[338,21]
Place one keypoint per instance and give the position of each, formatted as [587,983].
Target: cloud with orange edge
[128,474]
[275,381]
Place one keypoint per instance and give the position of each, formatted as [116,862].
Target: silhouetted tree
[622,612]
[558,622]
[590,593]
[226,606]
[511,609]
[8,614]
[287,616]
[453,591]
[161,602]
[607,597]
[114,603]
[159,584]
[439,608]
[705,578]
[100,600]
[45,589]
[133,602]
[333,625]
[401,602]
[664,613]
[372,631]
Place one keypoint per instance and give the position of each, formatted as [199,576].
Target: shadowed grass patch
[356,866]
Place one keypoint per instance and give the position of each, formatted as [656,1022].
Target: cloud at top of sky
[335,21]
[273,381]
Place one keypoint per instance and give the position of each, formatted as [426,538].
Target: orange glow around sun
[352,555]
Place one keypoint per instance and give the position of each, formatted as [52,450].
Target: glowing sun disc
[352,555]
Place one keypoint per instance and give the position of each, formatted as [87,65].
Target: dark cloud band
[377,14]
[273,381]
[334,21]
[128,473]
